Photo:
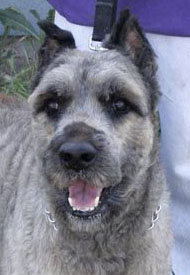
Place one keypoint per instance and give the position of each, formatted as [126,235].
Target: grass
[18,61]
[19,65]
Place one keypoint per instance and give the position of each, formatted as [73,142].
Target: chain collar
[50,219]
[155,218]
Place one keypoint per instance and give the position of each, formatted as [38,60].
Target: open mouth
[84,199]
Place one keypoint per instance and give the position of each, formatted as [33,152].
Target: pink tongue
[83,194]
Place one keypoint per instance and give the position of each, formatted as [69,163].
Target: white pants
[173,58]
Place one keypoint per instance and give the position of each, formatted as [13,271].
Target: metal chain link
[50,219]
[155,217]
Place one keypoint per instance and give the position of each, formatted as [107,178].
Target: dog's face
[93,122]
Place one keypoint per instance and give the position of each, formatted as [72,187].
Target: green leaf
[35,14]
[51,15]
[15,20]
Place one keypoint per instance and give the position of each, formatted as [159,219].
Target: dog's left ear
[55,41]
[128,37]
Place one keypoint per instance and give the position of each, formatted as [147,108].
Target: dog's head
[93,116]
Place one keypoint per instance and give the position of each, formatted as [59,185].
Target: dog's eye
[115,106]
[120,106]
[52,108]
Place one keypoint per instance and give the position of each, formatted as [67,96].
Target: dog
[81,185]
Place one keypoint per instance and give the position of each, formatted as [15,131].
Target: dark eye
[52,108]
[53,105]
[115,106]
[120,106]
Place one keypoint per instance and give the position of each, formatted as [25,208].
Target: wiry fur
[32,177]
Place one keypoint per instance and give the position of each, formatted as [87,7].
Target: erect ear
[128,36]
[55,41]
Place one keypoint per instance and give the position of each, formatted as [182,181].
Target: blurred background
[20,38]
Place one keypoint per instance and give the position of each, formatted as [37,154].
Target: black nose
[77,155]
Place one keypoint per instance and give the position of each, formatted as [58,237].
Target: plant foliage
[17,54]
[13,19]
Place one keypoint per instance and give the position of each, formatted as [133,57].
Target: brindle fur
[32,177]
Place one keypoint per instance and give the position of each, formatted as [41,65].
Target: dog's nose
[77,155]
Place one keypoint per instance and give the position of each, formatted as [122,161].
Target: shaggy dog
[81,186]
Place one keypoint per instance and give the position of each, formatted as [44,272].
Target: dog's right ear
[55,41]
[128,36]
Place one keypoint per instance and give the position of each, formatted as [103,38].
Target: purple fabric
[171,17]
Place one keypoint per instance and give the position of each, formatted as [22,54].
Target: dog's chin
[87,207]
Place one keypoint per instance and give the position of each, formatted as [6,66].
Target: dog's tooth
[70,201]
[87,209]
[96,201]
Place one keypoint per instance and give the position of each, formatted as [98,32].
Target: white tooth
[70,201]
[96,201]
[83,209]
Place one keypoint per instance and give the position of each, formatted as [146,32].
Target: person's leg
[173,58]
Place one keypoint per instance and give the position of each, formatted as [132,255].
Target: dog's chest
[82,258]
